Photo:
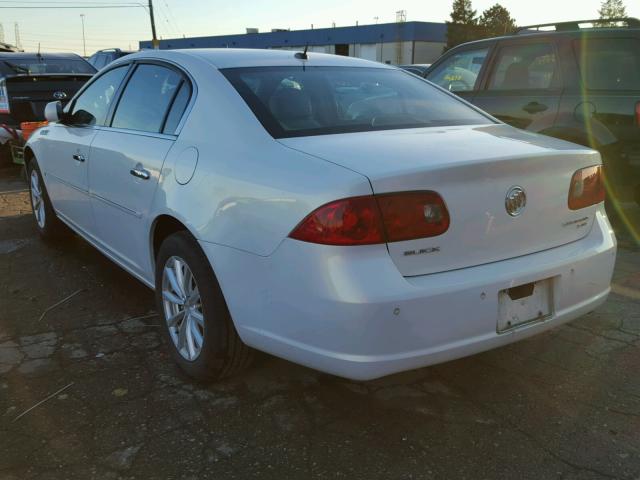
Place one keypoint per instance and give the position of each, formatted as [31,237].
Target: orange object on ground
[29,127]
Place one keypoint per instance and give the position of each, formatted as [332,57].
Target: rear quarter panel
[248,191]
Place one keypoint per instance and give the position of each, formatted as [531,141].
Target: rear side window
[459,72]
[609,63]
[297,101]
[178,108]
[524,67]
[146,98]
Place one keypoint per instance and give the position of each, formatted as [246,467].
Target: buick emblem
[59,95]
[516,201]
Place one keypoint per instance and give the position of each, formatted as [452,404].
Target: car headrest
[516,76]
[291,104]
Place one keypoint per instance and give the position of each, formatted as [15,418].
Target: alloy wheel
[37,200]
[182,308]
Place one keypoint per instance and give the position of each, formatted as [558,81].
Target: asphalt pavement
[88,391]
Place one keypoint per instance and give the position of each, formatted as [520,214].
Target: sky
[60,29]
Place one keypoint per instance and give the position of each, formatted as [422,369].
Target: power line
[77,8]
[101,2]
[67,35]
[72,43]
[170,26]
[62,4]
[172,17]
[70,4]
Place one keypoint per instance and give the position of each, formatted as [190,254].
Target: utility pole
[154,40]
[17,35]
[84,45]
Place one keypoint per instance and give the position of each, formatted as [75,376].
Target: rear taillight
[412,215]
[375,219]
[4,97]
[638,114]
[587,188]
[352,221]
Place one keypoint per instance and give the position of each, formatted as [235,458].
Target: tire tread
[229,355]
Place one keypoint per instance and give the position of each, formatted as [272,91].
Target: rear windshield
[297,101]
[35,66]
[609,63]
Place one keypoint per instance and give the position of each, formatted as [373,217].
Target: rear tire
[196,321]
[47,222]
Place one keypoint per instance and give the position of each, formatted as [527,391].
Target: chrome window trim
[140,133]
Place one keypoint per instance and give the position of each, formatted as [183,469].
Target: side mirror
[53,112]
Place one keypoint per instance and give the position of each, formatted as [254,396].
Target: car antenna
[303,55]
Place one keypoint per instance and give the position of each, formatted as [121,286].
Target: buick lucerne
[343,214]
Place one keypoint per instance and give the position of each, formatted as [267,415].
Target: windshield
[297,101]
[32,66]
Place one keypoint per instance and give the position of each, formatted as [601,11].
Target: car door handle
[78,157]
[534,107]
[140,173]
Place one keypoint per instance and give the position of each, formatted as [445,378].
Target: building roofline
[378,33]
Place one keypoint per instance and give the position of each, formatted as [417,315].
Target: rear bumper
[349,312]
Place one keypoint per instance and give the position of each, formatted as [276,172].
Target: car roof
[30,56]
[239,57]
[554,33]
[113,50]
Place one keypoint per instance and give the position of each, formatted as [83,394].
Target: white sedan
[341,214]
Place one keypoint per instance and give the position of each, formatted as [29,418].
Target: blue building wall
[381,33]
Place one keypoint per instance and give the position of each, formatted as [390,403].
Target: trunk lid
[29,94]
[473,169]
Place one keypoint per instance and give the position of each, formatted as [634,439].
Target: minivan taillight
[587,188]
[375,219]
[638,114]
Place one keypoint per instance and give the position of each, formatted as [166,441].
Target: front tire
[47,222]
[197,323]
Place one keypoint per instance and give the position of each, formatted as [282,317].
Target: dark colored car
[104,57]
[28,81]
[417,68]
[578,81]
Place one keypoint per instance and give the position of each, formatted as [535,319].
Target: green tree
[612,9]
[463,26]
[497,21]
[463,13]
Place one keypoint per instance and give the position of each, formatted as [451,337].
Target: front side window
[297,101]
[459,72]
[93,104]
[524,67]
[609,63]
[146,98]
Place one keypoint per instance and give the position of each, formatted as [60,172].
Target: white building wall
[367,51]
[394,53]
[427,52]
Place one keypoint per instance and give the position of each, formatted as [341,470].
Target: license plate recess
[524,304]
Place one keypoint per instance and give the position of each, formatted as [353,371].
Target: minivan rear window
[303,101]
[609,63]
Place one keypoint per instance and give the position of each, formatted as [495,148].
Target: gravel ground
[563,405]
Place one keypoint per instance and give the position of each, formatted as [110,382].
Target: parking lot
[563,405]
